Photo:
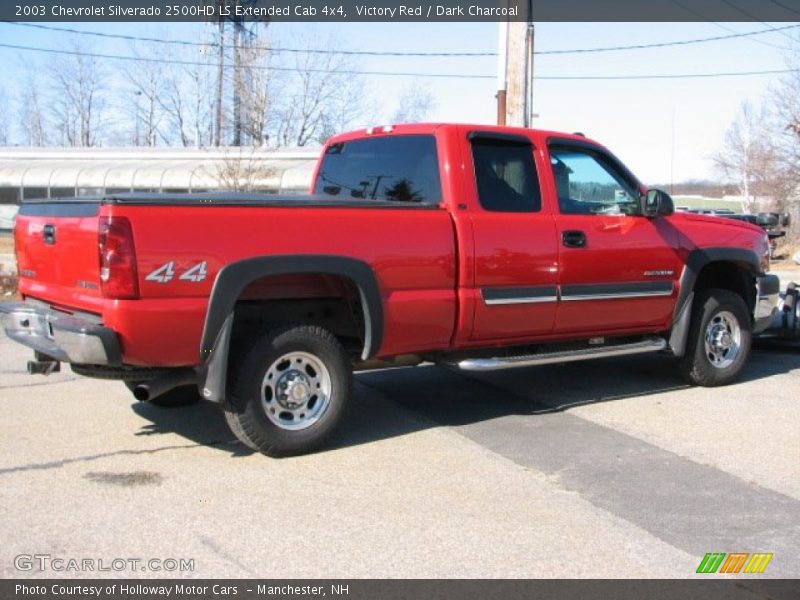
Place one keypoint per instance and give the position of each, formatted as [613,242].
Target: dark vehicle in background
[771,222]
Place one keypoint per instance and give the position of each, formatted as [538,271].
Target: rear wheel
[719,339]
[289,390]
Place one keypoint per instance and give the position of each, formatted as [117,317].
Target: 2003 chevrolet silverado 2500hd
[474,246]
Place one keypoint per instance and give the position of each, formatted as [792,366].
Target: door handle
[573,239]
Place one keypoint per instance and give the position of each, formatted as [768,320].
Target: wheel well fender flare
[235,277]
[695,262]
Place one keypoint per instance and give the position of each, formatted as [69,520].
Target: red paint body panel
[431,265]
[619,249]
[62,265]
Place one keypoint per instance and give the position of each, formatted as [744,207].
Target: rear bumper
[769,287]
[64,337]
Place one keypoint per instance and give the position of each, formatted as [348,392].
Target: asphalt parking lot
[610,468]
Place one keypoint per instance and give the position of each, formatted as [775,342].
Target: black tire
[232,420]
[184,395]
[316,390]
[714,312]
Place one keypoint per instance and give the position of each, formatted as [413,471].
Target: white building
[49,173]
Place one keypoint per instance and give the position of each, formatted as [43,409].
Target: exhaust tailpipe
[148,390]
[43,367]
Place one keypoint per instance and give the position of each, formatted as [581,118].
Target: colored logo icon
[736,562]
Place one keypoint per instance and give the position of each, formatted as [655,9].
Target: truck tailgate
[57,252]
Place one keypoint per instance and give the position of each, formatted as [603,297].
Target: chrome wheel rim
[723,339]
[296,390]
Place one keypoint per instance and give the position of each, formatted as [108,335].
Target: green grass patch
[701,202]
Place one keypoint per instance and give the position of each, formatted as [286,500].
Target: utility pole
[515,73]
[502,52]
[220,78]
[529,38]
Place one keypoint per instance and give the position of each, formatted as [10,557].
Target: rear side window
[506,176]
[402,168]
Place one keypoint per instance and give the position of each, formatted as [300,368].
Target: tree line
[760,154]
[232,90]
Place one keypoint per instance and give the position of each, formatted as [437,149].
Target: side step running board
[509,362]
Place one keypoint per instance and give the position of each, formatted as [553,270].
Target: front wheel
[289,390]
[719,339]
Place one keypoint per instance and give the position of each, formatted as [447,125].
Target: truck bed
[416,273]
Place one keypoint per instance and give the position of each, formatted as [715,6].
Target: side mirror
[657,203]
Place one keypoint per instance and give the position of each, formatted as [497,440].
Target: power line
[717,25]
[402,74]
[670,76]
[783,6]
[673,43]
[751,16]
[258,67]
[134,38]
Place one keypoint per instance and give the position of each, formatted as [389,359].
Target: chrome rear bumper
[63,337]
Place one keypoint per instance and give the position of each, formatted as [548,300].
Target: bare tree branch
[77,98]
[146,80]
[750,157]
[242,171]
[320,98]
[257,96]
[188,105]
[415,104]
[30,113]
[4,126]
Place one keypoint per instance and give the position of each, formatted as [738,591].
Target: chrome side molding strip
[621,296]
[520,300]
[499,296]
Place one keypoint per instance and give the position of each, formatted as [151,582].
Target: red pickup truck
[477,247]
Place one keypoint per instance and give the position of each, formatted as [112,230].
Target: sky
[664,130]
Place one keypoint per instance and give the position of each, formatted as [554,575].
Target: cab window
[399,168]
[587,184]
[505,176]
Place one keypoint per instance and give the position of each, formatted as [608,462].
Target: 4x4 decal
[162,274]
[197,273]
[166,273]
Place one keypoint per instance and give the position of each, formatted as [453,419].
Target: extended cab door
[618,268]
[514,237]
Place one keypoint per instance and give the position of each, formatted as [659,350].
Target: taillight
[118,277]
